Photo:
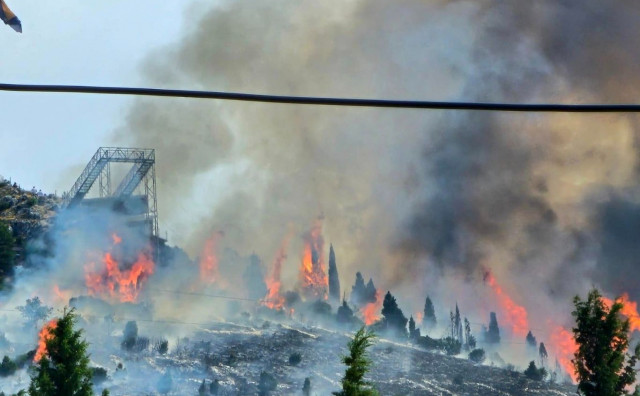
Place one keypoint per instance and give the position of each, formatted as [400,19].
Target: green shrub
[295,359]
[7,367]
[534,373]
[477,355]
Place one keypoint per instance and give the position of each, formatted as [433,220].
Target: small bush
[98,375]
[477,356]
[161,346]
[295,359]
[458,379]
[451,346]
[534,373]
[267,383]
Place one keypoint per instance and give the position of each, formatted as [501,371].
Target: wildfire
[629,309]
[513,314]
[564,347]
[61,295]
[209,272]
[313,274]
[419,316]
[44,335]
[370,312]
[274,299]
[125,285]
[116,238]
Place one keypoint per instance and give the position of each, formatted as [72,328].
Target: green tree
[534,373]
[6,253]
[334,279]
[306,387]
[64,370]
[358,363]
[602,338]
[394,319]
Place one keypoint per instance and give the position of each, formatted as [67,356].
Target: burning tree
[313,276]
[362,294]
[603,339]
[334,280]
[64,368]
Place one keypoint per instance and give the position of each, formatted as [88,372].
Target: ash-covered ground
[236,353]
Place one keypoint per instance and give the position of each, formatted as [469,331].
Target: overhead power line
[325,101]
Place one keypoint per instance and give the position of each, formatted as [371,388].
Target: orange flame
[44,335]
[564,347]
[370,312]
[313,274]
[273,299]
[629,309]
[209,272]
[125,285]
[61,295]
[419,316]
[116,238]
[513,314]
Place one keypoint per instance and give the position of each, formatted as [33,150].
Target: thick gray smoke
[407,195]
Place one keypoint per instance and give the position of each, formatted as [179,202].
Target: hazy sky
[43,137]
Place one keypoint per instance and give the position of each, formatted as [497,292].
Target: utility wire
[327,101]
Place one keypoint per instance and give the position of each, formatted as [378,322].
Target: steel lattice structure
[142,173]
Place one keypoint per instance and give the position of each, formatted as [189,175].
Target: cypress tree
[254,278]
[64,369]
[492,335]
[306,387]
[542,351]
[334,280]
[531,341]
[371,292]
[358,291]
[429,318]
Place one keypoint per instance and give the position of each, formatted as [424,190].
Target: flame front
[274,299]
[44,335]
[124,285]
[514,315]
[209,271]
[564,346]
[629,309]
[313,275]
[371,311]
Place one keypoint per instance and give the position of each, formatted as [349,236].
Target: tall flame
[313,276]
[629,309]
[564,346]
[124,285]
[44,335]
[371,311]
[274,299]
[514,315]
[209,271]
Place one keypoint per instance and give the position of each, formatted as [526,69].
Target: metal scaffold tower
[141,174]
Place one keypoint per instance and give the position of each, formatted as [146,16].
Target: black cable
[306,100]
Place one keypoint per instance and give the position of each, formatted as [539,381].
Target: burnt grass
[236,354]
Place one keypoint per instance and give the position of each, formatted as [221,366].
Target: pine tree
[394,319]
[334,280]
[358,364]
[214,387]
[429,318]
[603,339]
[202,390]
[64,370]
[345,314]
[492,335]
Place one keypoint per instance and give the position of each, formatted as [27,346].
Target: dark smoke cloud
[405,194]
